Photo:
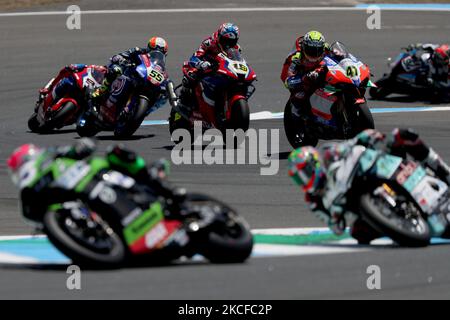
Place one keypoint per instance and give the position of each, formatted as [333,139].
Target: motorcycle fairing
[321,103]
[150,71]
[426,191]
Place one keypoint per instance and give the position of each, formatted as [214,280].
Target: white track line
[21,237]
[276,250]
[212,10]
[10,258]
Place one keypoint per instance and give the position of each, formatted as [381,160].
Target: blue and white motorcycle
[408,75]
[139,91]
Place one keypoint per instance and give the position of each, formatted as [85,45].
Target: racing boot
[100,92]
[112,73]
[186,100]
[435,162]
[300,111]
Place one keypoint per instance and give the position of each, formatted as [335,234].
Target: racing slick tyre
[411,231]
[33,123]
[229,239]
[364,118]
[102,249]
[295,130]
[58,120]
[240,115]
[86,128]
[127,126]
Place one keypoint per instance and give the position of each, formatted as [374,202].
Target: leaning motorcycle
[158,230]
[399,198]
[407,76]
[66,111]
[339,108]
[134,95]
[228,86]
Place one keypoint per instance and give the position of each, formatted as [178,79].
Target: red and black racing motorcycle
[49,115]
[228,86]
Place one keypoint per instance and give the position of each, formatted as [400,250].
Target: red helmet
[21,156]
[305,168]
[441,55]
[158,43]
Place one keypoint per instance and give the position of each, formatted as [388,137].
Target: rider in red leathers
[202,61]
[63,84]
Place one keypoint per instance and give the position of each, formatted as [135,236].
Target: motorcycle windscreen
[234,54]
[158,58]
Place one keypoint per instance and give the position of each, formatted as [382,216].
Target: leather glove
[203,65]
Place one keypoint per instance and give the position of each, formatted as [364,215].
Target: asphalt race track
[33,48]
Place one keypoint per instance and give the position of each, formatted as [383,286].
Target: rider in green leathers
[52,175]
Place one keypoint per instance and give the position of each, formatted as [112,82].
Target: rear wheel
[33,123]
[229,239]
[88,242]
[130,122]
[406,227]
[295,130]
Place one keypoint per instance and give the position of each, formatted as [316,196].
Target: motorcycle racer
[36,192]
[122,63]
[201,62]
[126,58]
[435,59]
[63,84]
[325,173]
[302,70]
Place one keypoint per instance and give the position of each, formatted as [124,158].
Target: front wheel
[86,126]
[240,115]
[59,118]
[88,241]
[364,118]
[228,239]
[406,226]
[295,130]
[33,123]
[131,121]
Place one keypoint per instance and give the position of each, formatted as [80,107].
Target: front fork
[348,124]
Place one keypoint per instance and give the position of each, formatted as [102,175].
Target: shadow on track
[114,138]
[53,132]
[129,266]
[280,156]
